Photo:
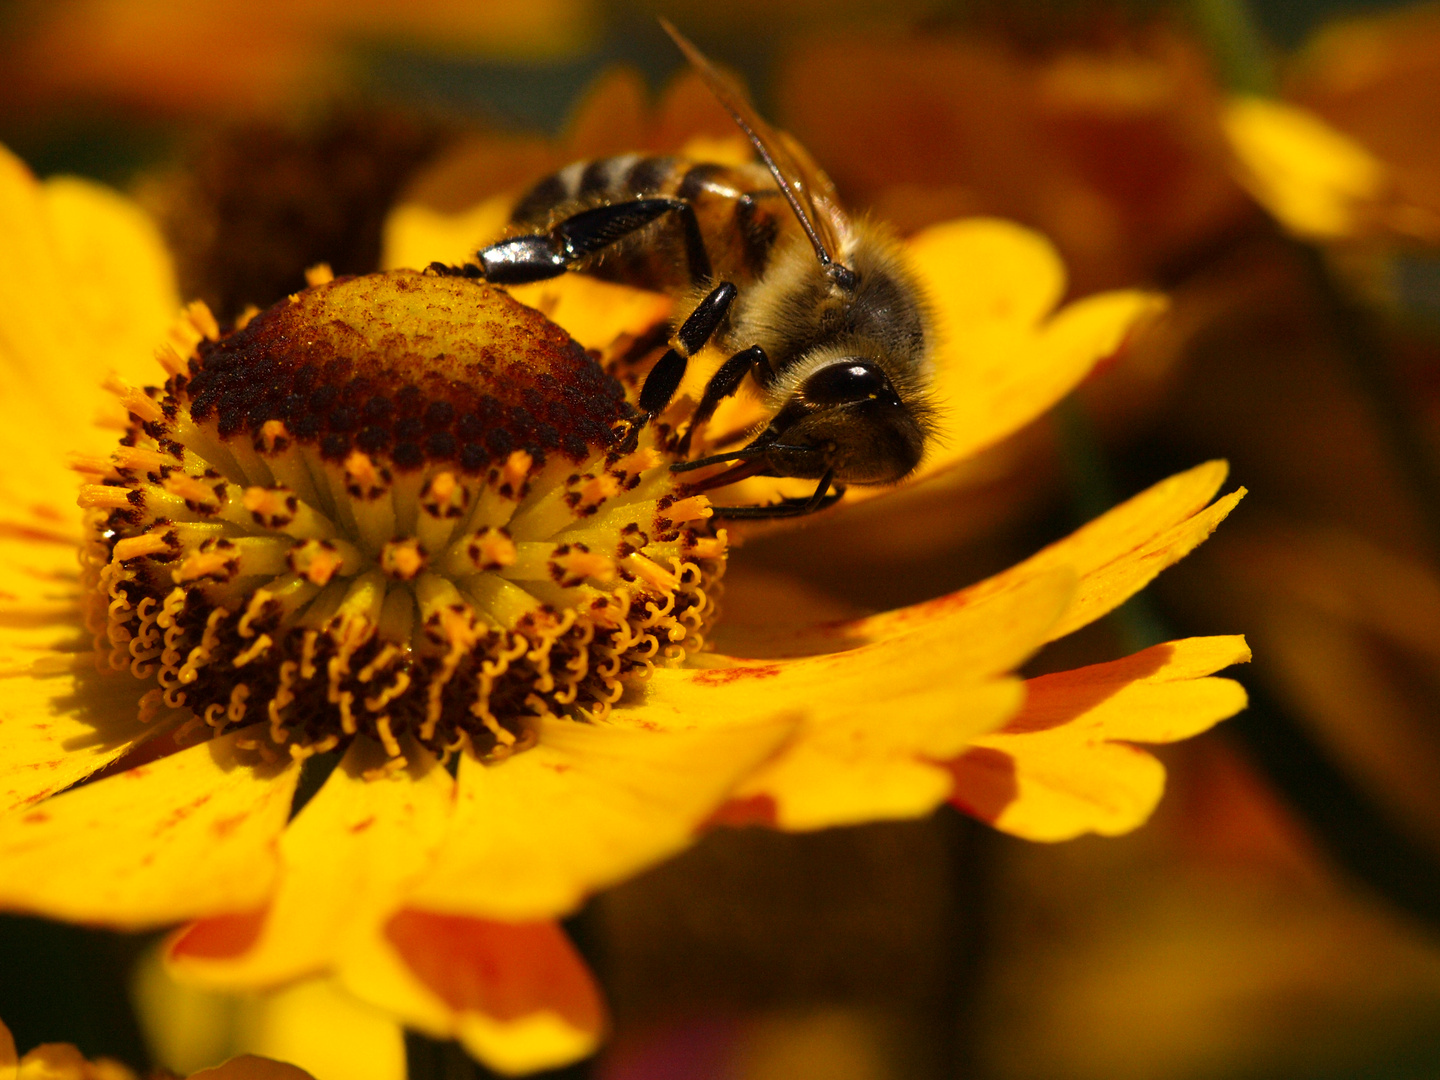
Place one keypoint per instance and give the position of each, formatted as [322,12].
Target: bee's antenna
[756,130]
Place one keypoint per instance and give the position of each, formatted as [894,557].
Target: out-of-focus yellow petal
[85,287]
[313,1024]
[346,859]
[876,714]
[534,834]
[985,273]
[122,285]
[1002,358]
[186,835]
[250,1067]
[595,313]
[1316,180]
[317,1026]
[415,235]
[61,1061]
[517,995]
[1063,766]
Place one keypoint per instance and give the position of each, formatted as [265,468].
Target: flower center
[397,505]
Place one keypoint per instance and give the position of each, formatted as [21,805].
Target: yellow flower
[1317,181]
[61,1061]
[244,605]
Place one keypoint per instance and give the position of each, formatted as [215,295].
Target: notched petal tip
[1065,765]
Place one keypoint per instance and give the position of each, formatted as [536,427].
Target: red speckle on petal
[361,826]
[37,817]
[180,813]
[223,827]
[726,676]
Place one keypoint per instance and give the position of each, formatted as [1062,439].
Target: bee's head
[846,416]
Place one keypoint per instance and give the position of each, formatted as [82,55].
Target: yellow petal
[1123,550]
[868,763]
[1115,555]
[186,835]
[517,995]
[534,834]
[250,1067]
[595,313]
[873,715]
[317,1026]
[988,272]
[40,609]
[346,859]
[416,236]
[1316,180]
[1063,766]
[61,1061]
[85,287]
[55,730]
[1002,358]
[123,286]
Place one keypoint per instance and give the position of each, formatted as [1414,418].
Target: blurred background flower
[1279,916]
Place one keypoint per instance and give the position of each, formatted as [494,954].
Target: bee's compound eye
[846,381]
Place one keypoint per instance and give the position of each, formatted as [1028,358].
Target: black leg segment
[662,382]
[702,323]
[695,331]
[723,383]
[786,507]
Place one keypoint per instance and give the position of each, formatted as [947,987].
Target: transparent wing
[798,177]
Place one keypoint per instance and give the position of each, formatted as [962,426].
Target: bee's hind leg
[520,260]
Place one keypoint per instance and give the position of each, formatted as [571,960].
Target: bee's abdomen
[739,211]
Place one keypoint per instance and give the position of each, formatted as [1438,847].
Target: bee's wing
[799,178]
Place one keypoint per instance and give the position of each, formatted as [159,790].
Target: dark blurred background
[1280,917]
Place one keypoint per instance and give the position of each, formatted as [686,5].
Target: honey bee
[820,309]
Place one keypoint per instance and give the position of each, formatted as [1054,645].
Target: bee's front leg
[786,507]
[695,331]
[723,383]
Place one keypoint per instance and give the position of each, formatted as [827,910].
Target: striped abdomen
[738,213]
